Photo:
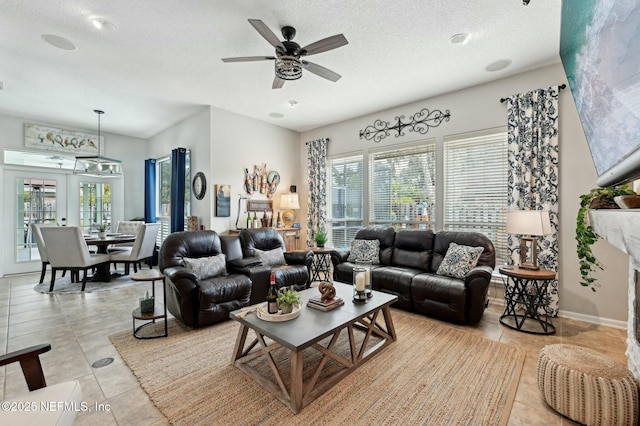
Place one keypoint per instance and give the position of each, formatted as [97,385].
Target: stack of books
[316,302]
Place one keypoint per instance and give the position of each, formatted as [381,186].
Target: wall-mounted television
[600,52]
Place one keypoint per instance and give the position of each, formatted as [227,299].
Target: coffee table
[306,331]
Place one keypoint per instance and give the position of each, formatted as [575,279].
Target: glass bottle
[256,221]
[249,221]
[272,295]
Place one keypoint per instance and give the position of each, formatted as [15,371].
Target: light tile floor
[78,326]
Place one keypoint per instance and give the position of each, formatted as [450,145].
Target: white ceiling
[162,63]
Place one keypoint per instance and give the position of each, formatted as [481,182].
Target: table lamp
[289,203]
[528,223]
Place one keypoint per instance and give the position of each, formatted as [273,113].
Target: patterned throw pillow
[273,257]
[459,260]
[207,267]
[365,251]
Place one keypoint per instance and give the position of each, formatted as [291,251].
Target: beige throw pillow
[207,267]
[273,257]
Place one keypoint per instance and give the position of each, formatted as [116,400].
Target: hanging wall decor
[60,140]
[223,200]
[419,122]
[261,181]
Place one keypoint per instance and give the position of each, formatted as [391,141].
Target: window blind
[402,187]
[475,187]
[344,218]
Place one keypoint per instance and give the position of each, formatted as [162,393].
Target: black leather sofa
[197,302]
[408,262]
[243,259]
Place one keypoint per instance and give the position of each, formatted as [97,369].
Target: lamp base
[528,246]
[288,217]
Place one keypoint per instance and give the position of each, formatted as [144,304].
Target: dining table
[103,272]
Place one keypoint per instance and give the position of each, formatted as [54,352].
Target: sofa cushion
[207,267]
[413,249]
[365,251]
[273,257]
[459,260]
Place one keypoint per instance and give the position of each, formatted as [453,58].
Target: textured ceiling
[163,60]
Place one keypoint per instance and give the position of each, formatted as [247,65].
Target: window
[402,187]
[345,214]
[36,203]
[475,186]
[95,205]
[163,187]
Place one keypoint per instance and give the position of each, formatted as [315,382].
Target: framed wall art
[223,200]
[47,138]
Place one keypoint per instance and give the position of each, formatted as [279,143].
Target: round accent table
[525,297]
[159,312]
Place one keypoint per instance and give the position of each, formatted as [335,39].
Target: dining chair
[142,248]
[67,249]
[44,257]
[65,394]
[129,227]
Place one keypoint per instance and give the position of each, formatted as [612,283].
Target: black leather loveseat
[408,262]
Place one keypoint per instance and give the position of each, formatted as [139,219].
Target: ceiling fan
[288,62]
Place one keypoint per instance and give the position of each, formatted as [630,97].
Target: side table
[152,275]
[529,292]
[321,264]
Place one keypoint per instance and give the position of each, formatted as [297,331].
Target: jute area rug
[64,285]
[432,375]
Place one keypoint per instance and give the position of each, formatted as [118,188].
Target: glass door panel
[35,203]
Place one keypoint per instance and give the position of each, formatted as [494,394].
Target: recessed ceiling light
[498,65]
[59,42]
[460,38]
[103,24]
[276,115]
[293,103]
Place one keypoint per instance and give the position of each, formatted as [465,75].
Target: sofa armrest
[183,279]
[259,276]
[339,256]
[299,258]
[29,359]
[477,282]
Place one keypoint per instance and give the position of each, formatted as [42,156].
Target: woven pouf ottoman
[587,386]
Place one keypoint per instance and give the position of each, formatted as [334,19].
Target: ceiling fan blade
[325,44]
[248,58]
[277,83]
[321,71]
[267,34]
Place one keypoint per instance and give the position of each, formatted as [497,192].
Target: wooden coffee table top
[313,325]
[147,275]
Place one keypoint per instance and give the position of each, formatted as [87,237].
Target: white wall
[479,108]
[222,145]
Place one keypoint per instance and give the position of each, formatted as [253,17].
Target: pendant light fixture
[96,165]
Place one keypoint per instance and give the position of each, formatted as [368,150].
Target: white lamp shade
[528,222]
[289,201]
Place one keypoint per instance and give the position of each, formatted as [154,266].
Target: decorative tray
[262,313]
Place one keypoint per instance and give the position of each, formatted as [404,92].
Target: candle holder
[366,265]
[359,285]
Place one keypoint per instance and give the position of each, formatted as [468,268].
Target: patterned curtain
[532,119]
[317,166]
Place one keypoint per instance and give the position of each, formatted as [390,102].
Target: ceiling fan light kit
[288,65]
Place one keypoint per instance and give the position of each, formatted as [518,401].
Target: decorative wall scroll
[223,200]
[60,140]
[260,181]
[419,122]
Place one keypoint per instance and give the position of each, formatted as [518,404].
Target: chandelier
[288,67]
[96,165]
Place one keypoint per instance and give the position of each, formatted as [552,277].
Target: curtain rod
[562,86]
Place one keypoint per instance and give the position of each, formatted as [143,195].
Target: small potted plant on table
[321,238]
[102,231]
[287,299]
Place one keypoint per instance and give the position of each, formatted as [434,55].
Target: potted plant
[102,231]
[597,198]
[321,238]
[287,299]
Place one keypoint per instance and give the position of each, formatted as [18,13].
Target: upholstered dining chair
[142,248]
[128,227]
[44,257]
[65,394]
[67,249]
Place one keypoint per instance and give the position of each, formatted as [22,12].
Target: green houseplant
[287,298]
[102,230]
[320,238]
[586,236]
